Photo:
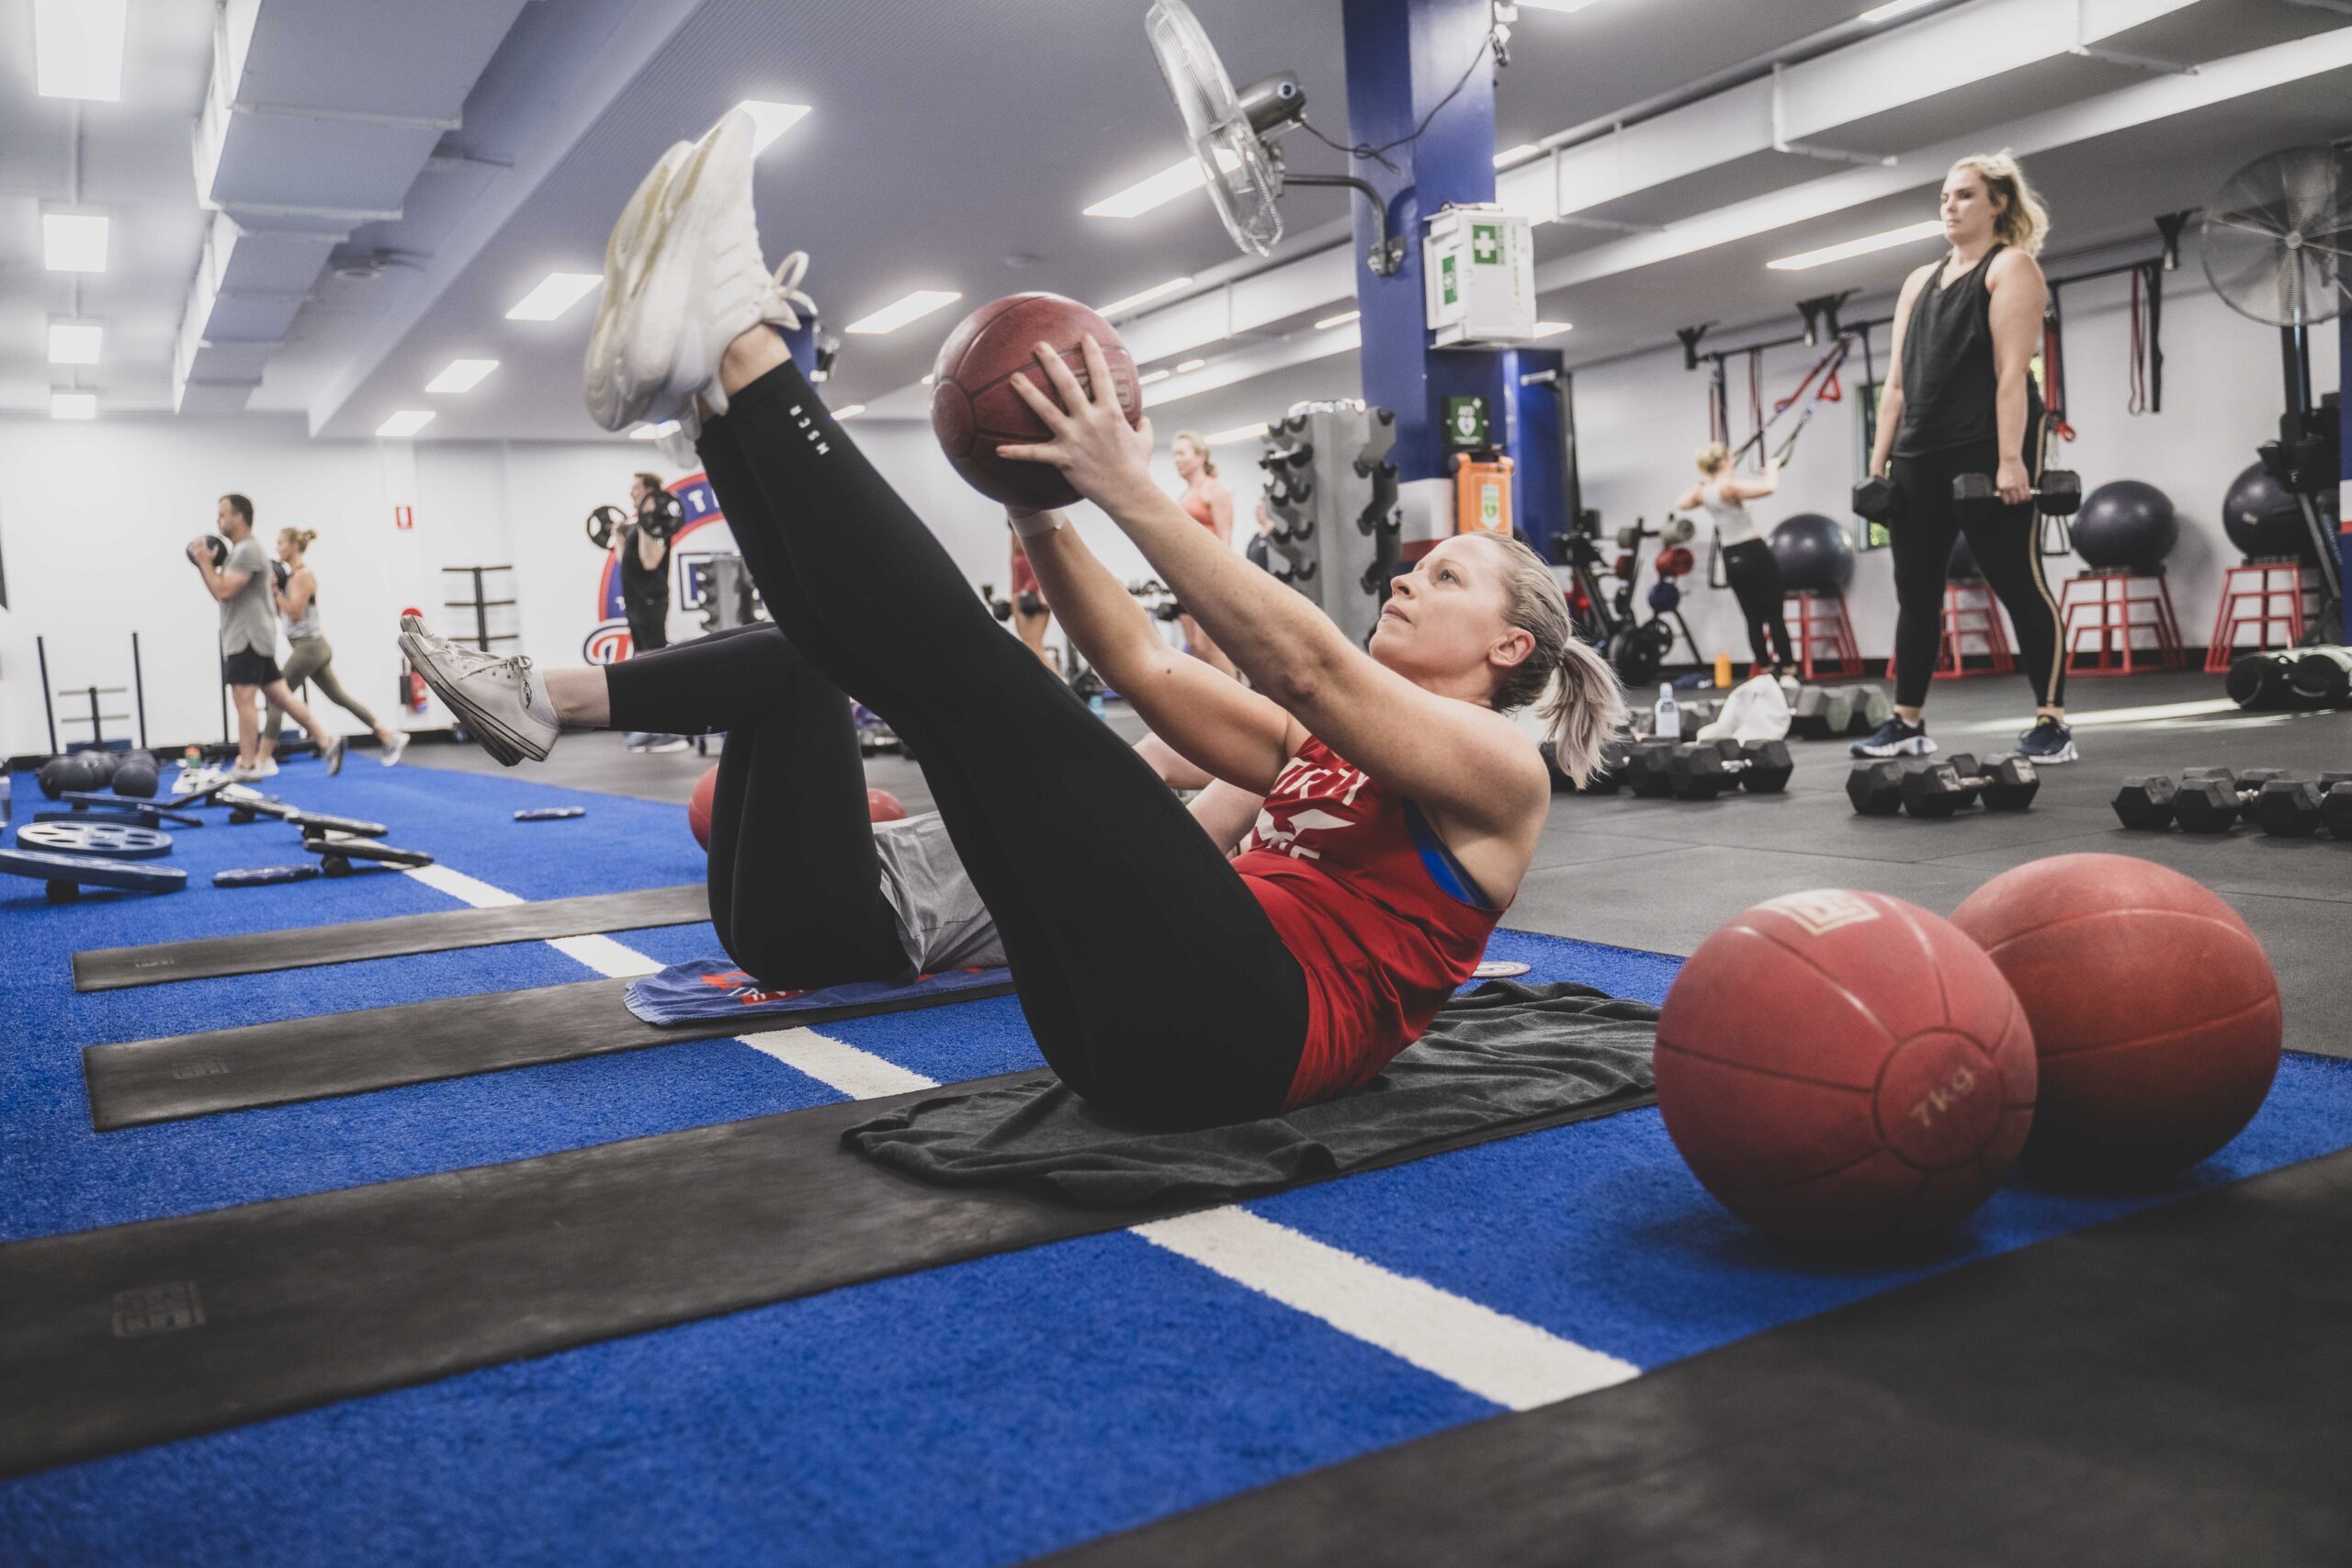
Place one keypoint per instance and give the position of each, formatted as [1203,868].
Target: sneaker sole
[604,382]
[1923,747]
[505,745]
[666,330]
[2066,753]
[653,290]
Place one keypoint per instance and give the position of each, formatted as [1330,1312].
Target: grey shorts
[942,922]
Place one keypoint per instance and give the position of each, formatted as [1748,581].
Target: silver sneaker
[500,700]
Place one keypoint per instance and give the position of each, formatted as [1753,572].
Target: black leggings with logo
[1155,984]
[2006,541]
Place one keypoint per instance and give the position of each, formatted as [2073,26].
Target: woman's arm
[1689,499]
[1216,722]
[295,598]
[1757,489]
[1456,756]
[1221,512]
[2020,296]
[1890,400]
[1225,811]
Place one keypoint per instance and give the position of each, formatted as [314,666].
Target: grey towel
[1504,1058]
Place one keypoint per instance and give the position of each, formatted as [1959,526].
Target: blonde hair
[1712,455]
[1586,706]
[1208,464]
[2023,222]
[301,536]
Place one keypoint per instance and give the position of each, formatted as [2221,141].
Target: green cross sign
[1466,424]
[1449,282]
[1486,243]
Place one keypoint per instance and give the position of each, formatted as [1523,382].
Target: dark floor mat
[263,952]
[179,1076]
[2169,1388]
[136,1334]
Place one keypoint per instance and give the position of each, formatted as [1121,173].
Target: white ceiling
[952,144]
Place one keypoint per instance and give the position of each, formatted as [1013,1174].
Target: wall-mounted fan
[2276,240]
[1233,135]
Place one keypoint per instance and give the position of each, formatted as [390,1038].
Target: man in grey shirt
[239,578]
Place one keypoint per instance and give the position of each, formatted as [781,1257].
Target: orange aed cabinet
[1481,495]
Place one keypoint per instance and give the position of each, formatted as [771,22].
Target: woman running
[1960,399]
[1163,982]
[1206,502]
[309,656]
[804,891]
[1748,563]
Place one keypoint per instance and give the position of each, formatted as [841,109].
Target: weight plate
[1498,969]
[114,840]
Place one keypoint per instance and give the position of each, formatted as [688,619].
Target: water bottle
[1094,706]
[1665,722]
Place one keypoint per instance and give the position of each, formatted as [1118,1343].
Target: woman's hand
[1104,459]
[2013,482]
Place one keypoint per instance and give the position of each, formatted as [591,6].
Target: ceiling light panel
[1909,233]
[75,343]
[914,307]
[556,293]
[73,405]
[405,423]
[77,48]
[1144,296]
[74,241]
[462,375]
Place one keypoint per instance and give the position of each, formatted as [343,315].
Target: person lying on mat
[1165,983]
[805,892]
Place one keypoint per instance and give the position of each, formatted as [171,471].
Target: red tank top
[1381,917]
[1024,576]
[1197,507]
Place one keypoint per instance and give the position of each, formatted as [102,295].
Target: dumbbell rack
[2103,603]
[481,636]
[2257,583]
[1971,610]
[1825,637]
[96,720]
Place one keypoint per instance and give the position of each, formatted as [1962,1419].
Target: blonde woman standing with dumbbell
[1748,563]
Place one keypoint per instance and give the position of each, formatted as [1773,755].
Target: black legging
[795,890]
[2006,543]
[1754,574]
[1154,982]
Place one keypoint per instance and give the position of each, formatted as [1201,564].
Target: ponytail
[302,537]
[1583,705]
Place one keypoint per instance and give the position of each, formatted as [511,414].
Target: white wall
[1640,420]
[96,516]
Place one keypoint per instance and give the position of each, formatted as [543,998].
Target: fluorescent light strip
[74,241]
[556,293]
[1188,366]
[655,431]
[1892,9]
[1147,380]
[403,424]
[1341,319]
[914,307]
[1159,189]
[1157,291]
[770,120]
[462,375]
[75,343]
[1518,155]
[73,405]
[1553,328]
[1925,229]
[77,48]
[850,412]
[1562,6]
[1239,433]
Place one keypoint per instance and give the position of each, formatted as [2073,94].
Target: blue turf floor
[972,1415]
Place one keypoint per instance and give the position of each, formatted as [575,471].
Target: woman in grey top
[310,658]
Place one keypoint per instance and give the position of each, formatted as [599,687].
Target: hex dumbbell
[1703,770]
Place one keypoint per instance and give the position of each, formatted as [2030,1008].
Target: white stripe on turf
[1515,1364]
[861,1075]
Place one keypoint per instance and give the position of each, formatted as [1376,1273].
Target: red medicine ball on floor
[698,804]
[1843,1066]
[974,408]
[881,805]
[2155,1010]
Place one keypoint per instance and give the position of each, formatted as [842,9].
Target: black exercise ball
[1815,554]
[57,776]
[2125,526]
[2262,518]
[136,776]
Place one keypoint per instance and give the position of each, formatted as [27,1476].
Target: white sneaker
[699,283]
[625,252]
[663,744]
[265,769]
[394,748]
[332,755]
[500,700]
[242,774]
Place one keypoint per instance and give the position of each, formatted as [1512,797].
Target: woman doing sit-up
[1163,982]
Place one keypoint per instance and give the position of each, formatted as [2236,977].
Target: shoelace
[786,305]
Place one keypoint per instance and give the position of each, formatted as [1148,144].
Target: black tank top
[1949,379]
[644,589]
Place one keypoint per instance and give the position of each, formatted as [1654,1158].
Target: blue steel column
[1403,57]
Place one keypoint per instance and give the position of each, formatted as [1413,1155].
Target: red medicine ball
[698,804]
[2154,1008]
[1843,1066]
[974,408]
[881,805]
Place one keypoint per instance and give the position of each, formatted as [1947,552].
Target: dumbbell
[1705,771]
[2286,809]
[2206,800]
[2323,676]
[1821,713]
[1929,787]
[1874,500]
[2060,494]
[1644,771]
[1607,775]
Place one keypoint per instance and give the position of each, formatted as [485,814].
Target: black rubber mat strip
[2173,1388]
[140,1333]
[179,1076]
[263,952]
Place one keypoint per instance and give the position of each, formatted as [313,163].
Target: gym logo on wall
[609,643]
